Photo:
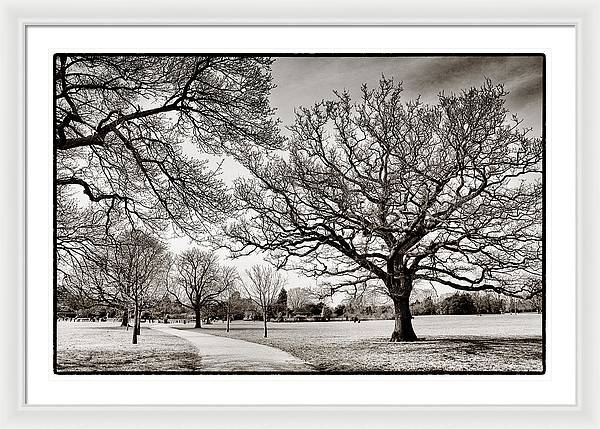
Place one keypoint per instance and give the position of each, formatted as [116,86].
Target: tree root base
[397,338]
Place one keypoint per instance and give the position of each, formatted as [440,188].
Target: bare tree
[197,281]
[230,280]
[133,271]
[297,298]
[125,127]
[263,287]
[107,275]
[394,193]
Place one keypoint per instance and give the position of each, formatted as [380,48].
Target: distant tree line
[298,305]
[475,303]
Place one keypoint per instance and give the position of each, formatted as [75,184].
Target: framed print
[250,304]
[341,224]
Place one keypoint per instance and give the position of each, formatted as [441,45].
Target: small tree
[135,267]
[125,274]
[297,299]
[264,284]
[230,280]
[196,282]
[280,306]
[89,285]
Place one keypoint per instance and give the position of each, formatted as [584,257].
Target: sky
[305,80]
[302,81]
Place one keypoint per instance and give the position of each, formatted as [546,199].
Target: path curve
[221,354]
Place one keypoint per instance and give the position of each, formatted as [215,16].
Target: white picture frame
[17,16]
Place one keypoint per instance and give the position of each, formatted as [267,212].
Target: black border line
[317,373]
[544,218]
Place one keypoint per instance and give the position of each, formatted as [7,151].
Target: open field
[448,343]
[493,343]
[106,346]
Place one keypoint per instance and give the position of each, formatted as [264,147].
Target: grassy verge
[106,347]
[375,354]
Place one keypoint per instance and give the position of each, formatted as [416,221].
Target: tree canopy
[263,286]
[126,128]
[198,280]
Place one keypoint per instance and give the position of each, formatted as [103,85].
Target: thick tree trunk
[125,318]
[198,323]
[265,323]
[403,330]
[400,288]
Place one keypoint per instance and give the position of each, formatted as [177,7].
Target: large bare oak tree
[393,193]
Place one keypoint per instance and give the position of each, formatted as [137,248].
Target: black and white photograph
[299,213]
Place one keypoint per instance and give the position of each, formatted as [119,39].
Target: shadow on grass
[430,355]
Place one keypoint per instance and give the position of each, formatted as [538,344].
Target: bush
[339,310]
[458,304]
[426,307]
[314,309]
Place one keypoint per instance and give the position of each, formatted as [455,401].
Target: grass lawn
[106,346]
[498,343]
[448,343]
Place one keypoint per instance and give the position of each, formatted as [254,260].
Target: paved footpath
[227,354]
